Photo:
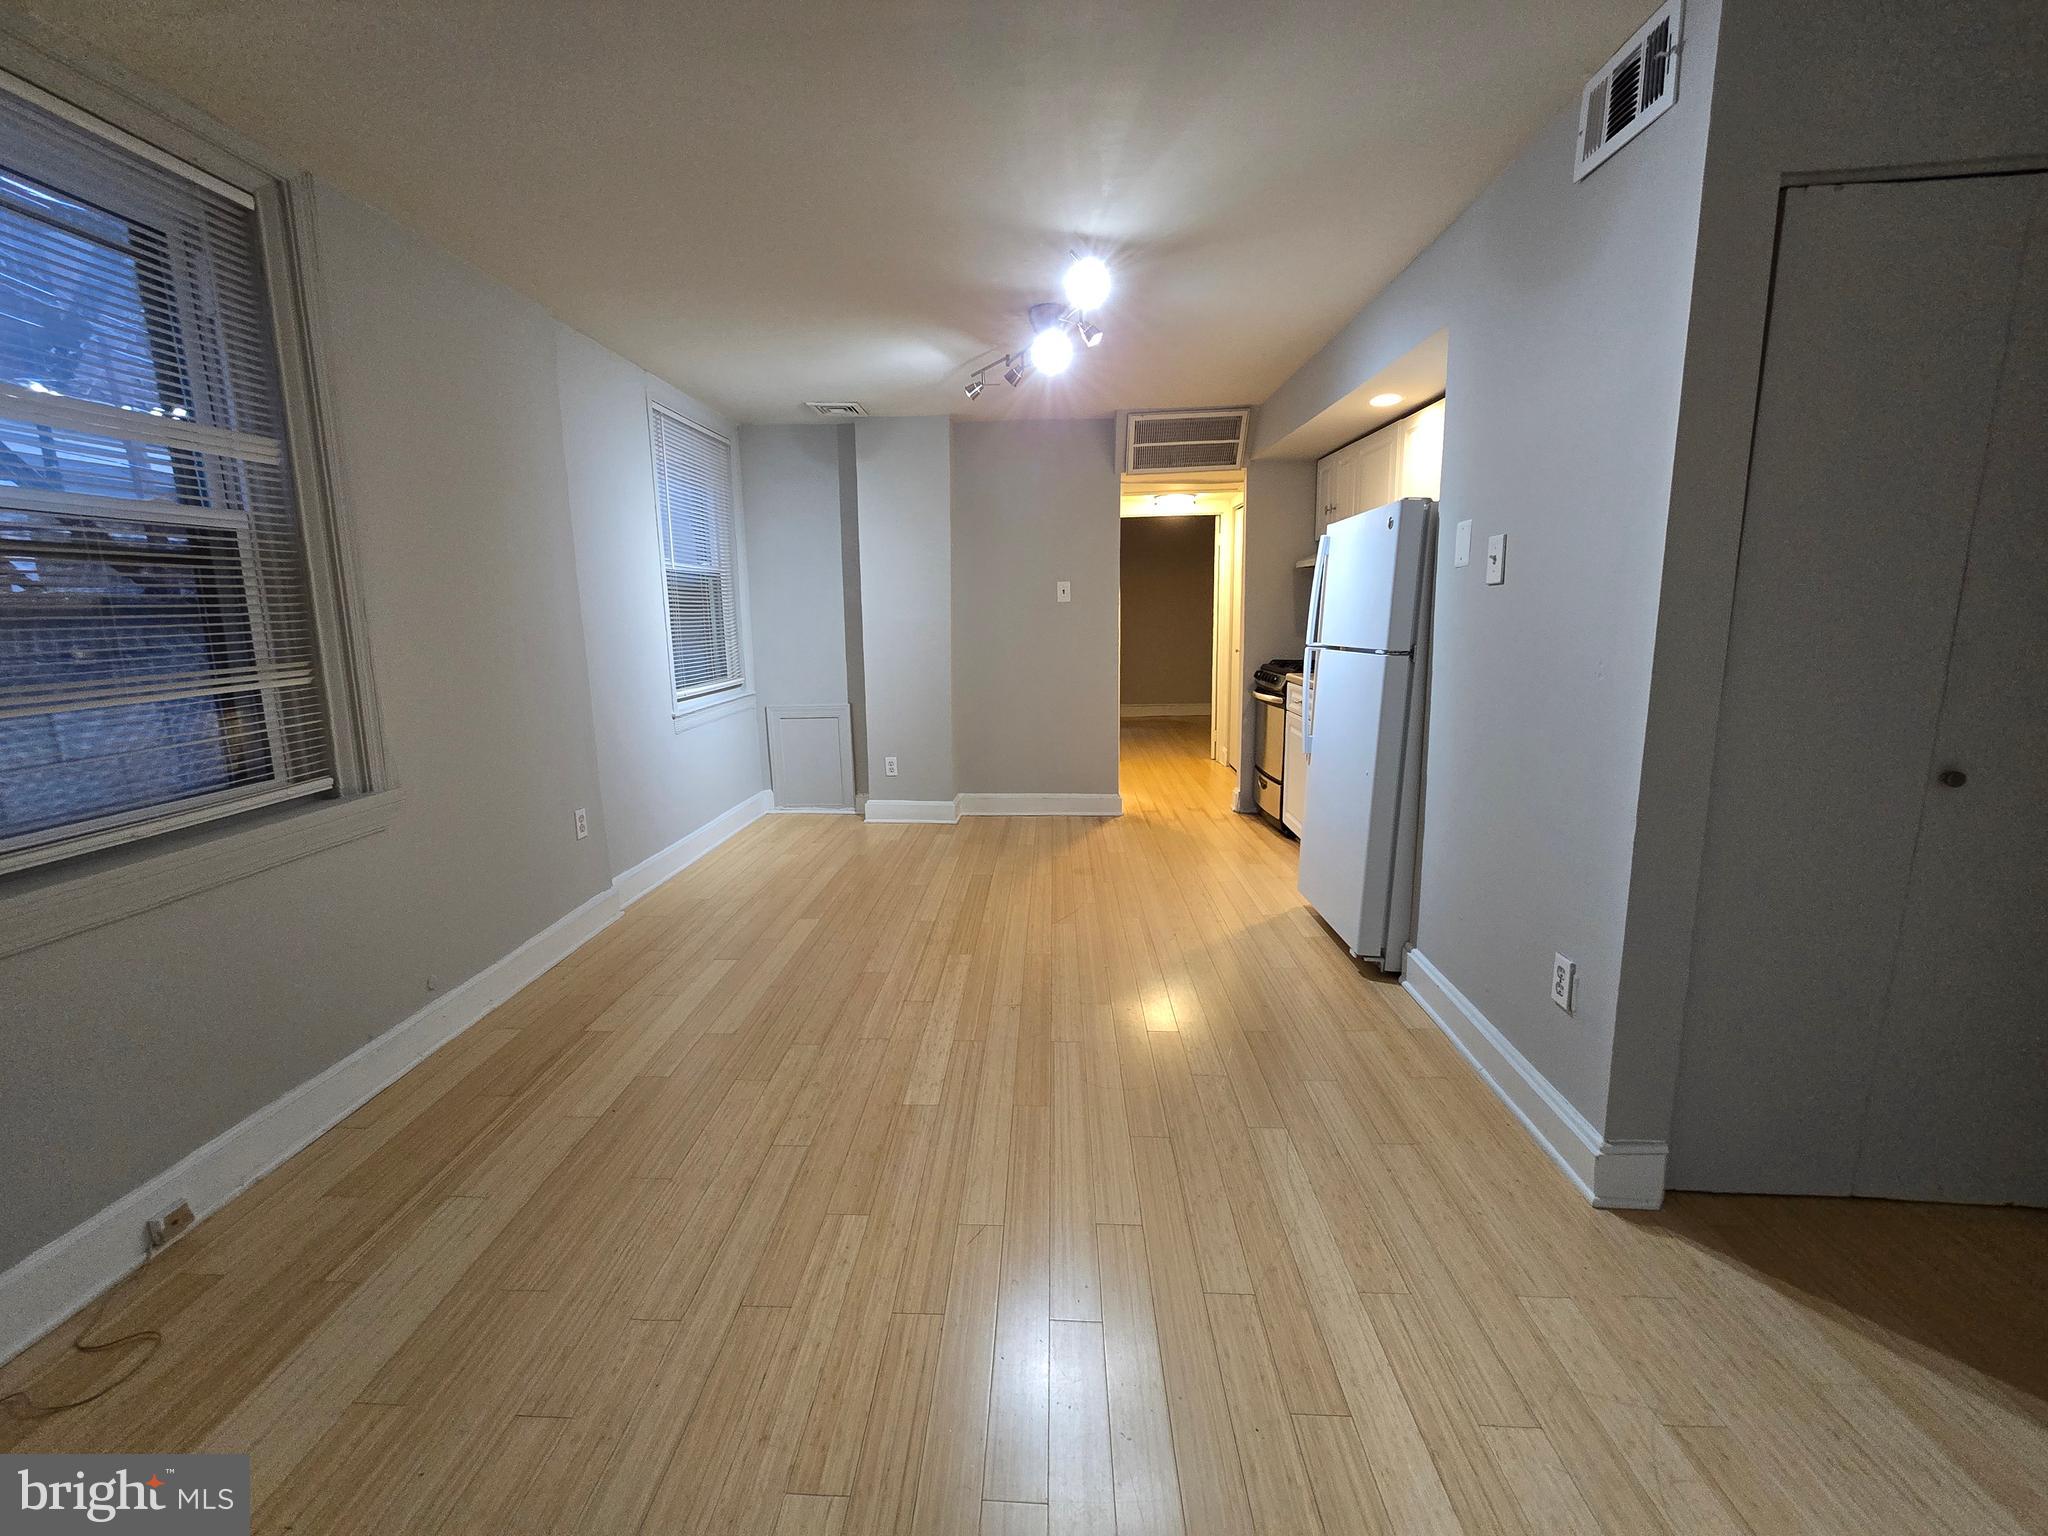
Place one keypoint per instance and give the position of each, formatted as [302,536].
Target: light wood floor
[1041,1176]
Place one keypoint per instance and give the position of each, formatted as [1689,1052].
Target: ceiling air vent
[835,409]
[1630,92]
[1177,442]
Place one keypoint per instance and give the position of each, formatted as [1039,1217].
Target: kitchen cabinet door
[1376,476]
[1421,456]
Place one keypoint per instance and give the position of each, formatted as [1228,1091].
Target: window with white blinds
[699,555]
[156,643]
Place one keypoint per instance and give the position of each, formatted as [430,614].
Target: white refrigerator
[1362,717]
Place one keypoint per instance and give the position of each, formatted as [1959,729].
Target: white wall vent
[1632,90]
[835,409]
[1178,442]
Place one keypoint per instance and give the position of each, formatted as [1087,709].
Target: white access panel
[810,757]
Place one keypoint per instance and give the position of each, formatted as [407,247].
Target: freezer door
[1351,817]
[1369,578]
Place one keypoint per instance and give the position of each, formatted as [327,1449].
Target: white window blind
[156,644]
[693,492]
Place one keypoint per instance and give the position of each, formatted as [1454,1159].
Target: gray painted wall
[497,467]
[849,585]
[449,426]
[1798,89]
[1566,306]
[904,485]
[1034,680]
[662,777]
[794,563]
[1168,580]
[1279,532]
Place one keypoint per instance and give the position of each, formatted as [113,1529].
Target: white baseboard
[946,811]
[64,1274]
[1621,1175]
[688,849]
[1041,805]
[1164,711]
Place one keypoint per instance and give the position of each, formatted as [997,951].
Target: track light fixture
[1054,329]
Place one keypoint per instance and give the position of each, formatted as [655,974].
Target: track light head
[1016,370]
[974,387]
[1091,334]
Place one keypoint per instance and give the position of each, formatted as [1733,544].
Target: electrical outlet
[167,1227]
[1564,981]
[582,824]
[889,766]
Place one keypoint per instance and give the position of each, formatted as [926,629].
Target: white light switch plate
[1564,979]
[1496,559]
[1462,551]
[1063,592]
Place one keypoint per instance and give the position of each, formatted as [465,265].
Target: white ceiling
[767,204]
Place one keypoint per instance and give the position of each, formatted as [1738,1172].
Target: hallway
[1039,1176]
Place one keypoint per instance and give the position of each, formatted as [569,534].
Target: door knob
[1953,778]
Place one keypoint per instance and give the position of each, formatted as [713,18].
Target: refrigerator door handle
[1311,644]
[1315,595]
[1308,703]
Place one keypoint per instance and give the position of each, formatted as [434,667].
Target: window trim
[92,887]
[730,696]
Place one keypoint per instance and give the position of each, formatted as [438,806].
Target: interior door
[1859,984]
[1227,680]
[1959,1102]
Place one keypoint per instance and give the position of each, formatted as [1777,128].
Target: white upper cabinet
[1421,453]
[1378,471]
[1403,458]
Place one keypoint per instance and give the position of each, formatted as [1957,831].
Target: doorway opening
[1180,646]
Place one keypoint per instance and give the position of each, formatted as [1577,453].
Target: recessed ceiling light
[1051,350]
[1086,282]
[1384,400]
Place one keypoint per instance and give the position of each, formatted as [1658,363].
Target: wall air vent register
[1631,91]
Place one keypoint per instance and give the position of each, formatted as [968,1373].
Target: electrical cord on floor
[23,1405]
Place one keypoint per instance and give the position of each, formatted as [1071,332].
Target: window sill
[44,905]
[712,707]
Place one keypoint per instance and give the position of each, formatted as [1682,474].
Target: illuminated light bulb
[1086,282]
[1051,350]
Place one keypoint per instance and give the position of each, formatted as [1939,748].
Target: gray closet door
[1959,1099]
[1892,307]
